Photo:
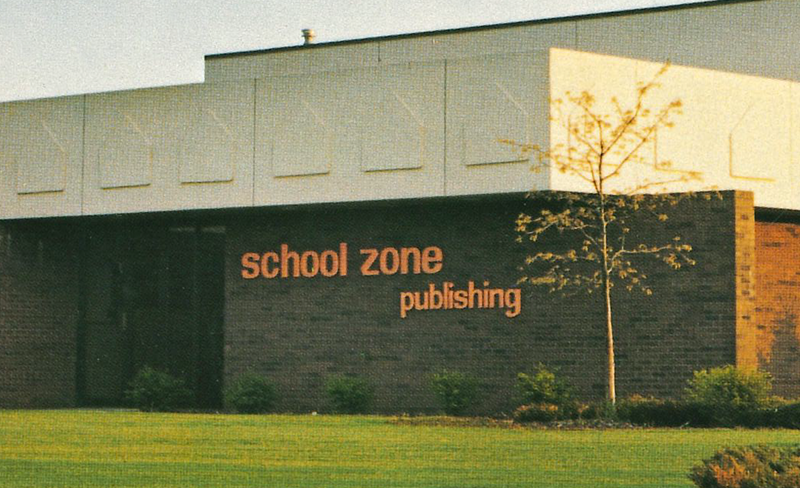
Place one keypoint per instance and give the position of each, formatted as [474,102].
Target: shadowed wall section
[38,316]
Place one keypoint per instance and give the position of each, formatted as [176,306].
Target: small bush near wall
[786,416]
[455,391]
[251,393]
[349,395]
[750,467]
[730,396]
[538,412]
[152,390]
[543,386]
[657,412]
[544,397]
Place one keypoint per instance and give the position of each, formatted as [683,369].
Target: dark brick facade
[38,316]
[298,331]
[738,304]
[778,311]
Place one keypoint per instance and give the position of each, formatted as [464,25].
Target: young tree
[601,148]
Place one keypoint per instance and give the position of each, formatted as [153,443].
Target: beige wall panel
[365,134]
[297,122]
[489,99]
[745,37]
[317,59]
[736,131]
[400,119]
[41,149]
[169,148]
[122,134]
[213,132]
[794,107]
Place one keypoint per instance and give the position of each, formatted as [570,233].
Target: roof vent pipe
[308,36]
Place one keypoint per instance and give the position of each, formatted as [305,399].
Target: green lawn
[75,449]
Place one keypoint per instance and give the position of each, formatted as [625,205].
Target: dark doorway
[153,296]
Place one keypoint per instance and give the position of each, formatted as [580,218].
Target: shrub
[455,391]
[537,412]
[251,393]
[542,387]
[730,396]
[786,416]
[647,411]
[349,394]
[152,390]
[604,410]
[749,467]
[658,412]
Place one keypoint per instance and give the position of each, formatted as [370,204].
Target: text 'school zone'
[386,261]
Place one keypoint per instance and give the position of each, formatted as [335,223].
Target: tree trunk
[612,377]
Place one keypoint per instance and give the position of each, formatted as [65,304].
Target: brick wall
[298,331]
[38,316]
[778,306]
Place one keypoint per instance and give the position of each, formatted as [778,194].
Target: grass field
[75,448]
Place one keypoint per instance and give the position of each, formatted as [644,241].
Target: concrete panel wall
[41,157]
[757,38]
[489,99]
[401,117]
[169,148]
[367,134]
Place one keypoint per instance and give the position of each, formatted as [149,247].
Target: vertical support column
[745,232]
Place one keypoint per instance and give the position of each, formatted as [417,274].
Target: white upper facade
[407,117]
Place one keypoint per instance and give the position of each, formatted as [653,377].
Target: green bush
[542,387]
[152,390]
[455,391]
[730,396]
[603,410]
[786,416]
[349,395]
[537,412]
[251,393]
[657,412]
[750,467]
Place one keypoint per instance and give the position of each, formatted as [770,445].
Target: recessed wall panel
[398,118]
[299,124]
[494,103]
[364,134]
[126,141]
[40,155]
[214,136]
[169,148]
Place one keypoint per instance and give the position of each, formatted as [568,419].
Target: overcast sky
[62,47]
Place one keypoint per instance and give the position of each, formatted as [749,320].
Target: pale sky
[62,47]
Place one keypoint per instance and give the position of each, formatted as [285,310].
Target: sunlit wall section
[733,131]
[41,152]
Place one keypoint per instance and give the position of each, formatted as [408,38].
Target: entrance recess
[152,296]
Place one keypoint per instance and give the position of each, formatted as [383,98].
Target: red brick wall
[300,331]
[38,316]
[778,303]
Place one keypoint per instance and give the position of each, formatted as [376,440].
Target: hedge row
[153,390]
[718,397]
